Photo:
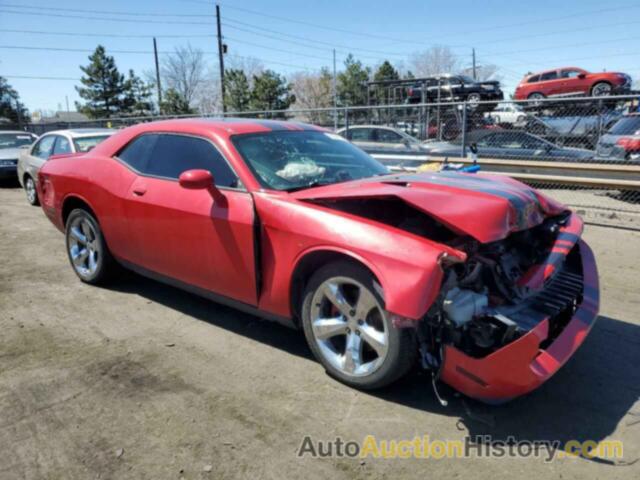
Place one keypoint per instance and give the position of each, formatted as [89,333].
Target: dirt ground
[141,380]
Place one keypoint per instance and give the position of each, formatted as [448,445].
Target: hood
[490,82]
[485,207]
[10,153]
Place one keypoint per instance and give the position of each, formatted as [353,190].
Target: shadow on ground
[585,401]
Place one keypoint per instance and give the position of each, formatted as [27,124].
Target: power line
[298,38]
[106,12]
[149,52]
[106,19]
[35,77]
[413,42]
[106,35]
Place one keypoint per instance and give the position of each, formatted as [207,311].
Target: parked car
[581,131]
[58,142]
[509,144]
[455,88]
[622,142]
[508,114]
[484,278]
[11,142]
[570,82]
[379,139]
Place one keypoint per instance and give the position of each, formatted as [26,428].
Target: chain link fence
[585,152]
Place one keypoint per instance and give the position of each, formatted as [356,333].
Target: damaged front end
[508,317]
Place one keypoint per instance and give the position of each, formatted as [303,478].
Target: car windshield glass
[294,160]
[84,144]
[15,140]
[626,126]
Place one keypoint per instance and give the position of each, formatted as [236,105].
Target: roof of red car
[227,126]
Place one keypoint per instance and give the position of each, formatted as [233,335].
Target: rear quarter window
[535,78]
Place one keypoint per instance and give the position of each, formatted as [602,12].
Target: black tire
[401,349]
[105,265]
[605,87]
[31,191]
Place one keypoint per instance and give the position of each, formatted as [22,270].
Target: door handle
[139,191]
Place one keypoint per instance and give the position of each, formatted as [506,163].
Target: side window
[387,136]
[549,76]
[487,141]
[175,154]
[361,134]
[43,148]
[534,79]
[62,145]
[137,152]
[569,73]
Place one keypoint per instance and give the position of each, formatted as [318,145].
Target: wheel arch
[72,202]
[308,262]
[598,82]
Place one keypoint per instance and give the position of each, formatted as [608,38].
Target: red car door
[550,83]
[188,235]
[574,81]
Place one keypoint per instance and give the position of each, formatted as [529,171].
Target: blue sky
[289,35]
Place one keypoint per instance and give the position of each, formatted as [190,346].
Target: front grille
[559,294]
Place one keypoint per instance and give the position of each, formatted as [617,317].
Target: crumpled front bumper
[522,365]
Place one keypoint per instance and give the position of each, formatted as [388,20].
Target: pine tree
[351,85]
[137,96]
[237,93]
[174,104]
[10,106]
[104,86]
[383,94]
[270,92]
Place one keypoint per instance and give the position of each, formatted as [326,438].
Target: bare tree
[251,66]
[313,90]
[437,59]
[184,71]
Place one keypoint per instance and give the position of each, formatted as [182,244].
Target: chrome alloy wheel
[84,247]
[601,90]
[30,189]
[349,327]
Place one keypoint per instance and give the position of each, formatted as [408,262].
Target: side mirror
[582,76]
[196,180]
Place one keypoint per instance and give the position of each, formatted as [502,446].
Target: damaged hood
[486,207]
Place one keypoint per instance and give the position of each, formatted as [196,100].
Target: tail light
[629,144]
[410,91]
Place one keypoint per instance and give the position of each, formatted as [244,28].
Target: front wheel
[350,332]
[31,192]
[86,248]
[601,89]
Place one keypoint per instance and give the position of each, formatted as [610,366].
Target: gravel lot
[141,380]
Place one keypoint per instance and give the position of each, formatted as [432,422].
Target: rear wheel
[350,332]
[86,248]
[30,190]
[535,99]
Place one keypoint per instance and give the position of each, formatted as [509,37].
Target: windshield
[294,160]
[15,140]
[626,126]
[84,144]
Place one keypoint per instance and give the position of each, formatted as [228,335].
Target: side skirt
[201,292]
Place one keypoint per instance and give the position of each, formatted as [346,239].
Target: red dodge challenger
[482,278]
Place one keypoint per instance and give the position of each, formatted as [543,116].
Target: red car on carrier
[570,82]
[484,279]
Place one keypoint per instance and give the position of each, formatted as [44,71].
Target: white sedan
[55,143]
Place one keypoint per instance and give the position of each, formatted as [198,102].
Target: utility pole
[334,87]
[158,86]
[66,99]
[473,53]
[221,57]
[19,111]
